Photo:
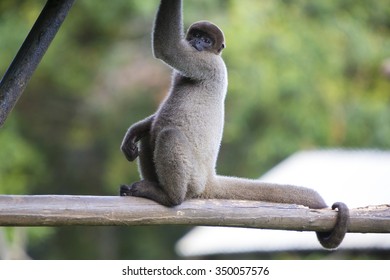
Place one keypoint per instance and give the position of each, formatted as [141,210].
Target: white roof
[356,177]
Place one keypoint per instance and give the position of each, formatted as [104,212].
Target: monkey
[177,147]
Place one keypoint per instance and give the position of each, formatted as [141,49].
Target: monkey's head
[206,36]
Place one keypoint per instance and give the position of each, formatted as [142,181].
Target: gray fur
[179,144]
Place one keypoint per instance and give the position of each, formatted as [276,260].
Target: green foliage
[16,20]
[21,165]
[302,74]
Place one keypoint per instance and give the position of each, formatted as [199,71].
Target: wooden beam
[65,210]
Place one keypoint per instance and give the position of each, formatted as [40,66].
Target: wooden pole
[63,210]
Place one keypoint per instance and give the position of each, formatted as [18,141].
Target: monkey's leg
[173,162]
[146,189]
[146,165]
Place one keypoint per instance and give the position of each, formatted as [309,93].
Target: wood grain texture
[63,210]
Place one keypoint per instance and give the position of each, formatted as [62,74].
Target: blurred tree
[299,71]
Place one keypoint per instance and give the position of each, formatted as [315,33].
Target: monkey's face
[206,36]
[200,40]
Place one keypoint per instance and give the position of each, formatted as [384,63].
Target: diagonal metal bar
[30,54]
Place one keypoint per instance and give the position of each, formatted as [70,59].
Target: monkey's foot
[125,190]
[150,190]
[134,189]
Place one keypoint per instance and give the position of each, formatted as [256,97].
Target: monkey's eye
[197,35]
[206,40]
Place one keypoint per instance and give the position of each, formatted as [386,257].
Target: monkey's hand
[135,133]
[129,146]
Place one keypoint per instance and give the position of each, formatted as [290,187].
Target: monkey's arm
[170,45]
[135,133]
[168,27]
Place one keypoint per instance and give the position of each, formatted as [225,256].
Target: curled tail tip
[341,206]
[332,239]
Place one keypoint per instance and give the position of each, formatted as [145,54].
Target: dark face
[200,40]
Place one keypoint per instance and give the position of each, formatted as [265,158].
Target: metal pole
[30,54]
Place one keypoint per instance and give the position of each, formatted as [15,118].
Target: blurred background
[302,75]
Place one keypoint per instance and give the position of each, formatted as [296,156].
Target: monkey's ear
[221,48]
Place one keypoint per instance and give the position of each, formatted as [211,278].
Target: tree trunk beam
[66,210]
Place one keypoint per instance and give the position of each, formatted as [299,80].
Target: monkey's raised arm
[170,45]
[168,27]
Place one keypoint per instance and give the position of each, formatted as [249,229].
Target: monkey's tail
[223,187]
[332,239]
